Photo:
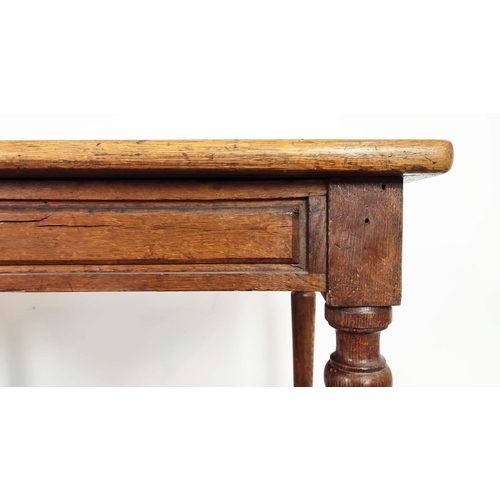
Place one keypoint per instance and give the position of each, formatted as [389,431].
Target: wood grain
[114,233]
[303,318]
[365,242]
[183,281]
[357,361]
[159,190]
[229,158]
[162,235]
[317,229]
[291,215]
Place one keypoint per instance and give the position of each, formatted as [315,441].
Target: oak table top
[236,158]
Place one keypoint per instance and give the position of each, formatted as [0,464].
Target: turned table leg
[303,312]
[357,360]
[364,276]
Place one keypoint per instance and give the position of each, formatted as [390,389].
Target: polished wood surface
[234,158]
[294,215]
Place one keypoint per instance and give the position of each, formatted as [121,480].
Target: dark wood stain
[357,360]
[303,312]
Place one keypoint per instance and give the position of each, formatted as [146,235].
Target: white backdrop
[445,333]
[248,60]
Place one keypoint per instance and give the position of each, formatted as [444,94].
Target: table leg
[365,229]
[357,360]
[303,312]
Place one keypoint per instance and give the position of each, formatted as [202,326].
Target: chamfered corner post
[364,276]
[303,315]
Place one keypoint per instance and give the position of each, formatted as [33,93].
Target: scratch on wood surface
[25,220]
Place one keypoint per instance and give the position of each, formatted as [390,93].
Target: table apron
[161,235]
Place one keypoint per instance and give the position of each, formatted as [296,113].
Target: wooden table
[294,215]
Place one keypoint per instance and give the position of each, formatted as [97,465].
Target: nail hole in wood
[367,221]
